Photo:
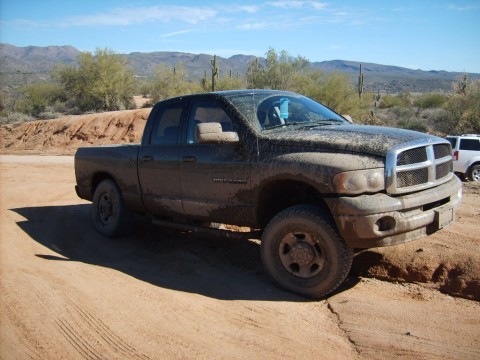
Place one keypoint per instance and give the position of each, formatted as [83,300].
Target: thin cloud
[287,4]
[297,4]
[318,5]
[138,15]
[252,9]
[463,8]
[253,26]
[175,33]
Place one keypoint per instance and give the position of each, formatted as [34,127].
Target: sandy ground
[67,292]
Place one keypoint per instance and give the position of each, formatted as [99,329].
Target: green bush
[389,101]
[170,82]
[430,100]
[462,111]
[36,97]
[413,125]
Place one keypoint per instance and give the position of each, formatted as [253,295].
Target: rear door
[158,166]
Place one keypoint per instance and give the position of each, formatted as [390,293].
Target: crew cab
[309,183]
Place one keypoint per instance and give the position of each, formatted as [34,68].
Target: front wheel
[303,252]
[474,173]
[111,217]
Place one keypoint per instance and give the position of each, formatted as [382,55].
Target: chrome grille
[412,156]
[418,165]
[441,150]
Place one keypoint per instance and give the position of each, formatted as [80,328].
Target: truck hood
[365,139]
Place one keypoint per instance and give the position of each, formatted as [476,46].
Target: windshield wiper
[325,122]
[282,125]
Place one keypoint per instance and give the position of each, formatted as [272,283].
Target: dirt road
[67,292]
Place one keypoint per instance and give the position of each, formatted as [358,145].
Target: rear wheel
[303,252]
[474,173]
[111,216]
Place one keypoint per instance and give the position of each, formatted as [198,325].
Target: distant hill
[21,65]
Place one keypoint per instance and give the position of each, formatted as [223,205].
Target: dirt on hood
[448,261]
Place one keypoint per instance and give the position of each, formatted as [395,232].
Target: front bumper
[381,220]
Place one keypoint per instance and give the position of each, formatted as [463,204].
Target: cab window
[205,112]
[165,129]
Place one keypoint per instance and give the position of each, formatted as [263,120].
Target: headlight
[359,181]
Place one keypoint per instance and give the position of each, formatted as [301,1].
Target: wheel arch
[477,162]
[98,178]
[469,173]
[280,194]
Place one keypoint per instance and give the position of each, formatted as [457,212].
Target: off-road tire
[474,173]
[302,252]
[111,217]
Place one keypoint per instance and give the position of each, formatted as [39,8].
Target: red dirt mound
[64,135]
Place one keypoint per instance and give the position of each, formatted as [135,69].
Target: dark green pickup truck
[309,183]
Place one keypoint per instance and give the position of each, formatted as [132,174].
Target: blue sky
[421,34]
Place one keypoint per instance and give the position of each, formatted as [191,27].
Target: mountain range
[21,65]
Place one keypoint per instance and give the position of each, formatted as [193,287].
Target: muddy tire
[474,173]
[302,252]
[111,217]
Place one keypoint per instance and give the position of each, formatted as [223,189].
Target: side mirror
[348,118]
[211,133]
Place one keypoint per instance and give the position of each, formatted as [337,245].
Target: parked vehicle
[310,184]
[466,155]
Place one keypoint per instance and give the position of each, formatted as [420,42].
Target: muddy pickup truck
[311,185]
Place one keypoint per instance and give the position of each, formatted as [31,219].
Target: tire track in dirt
[92,338]
[110,338]
[88,335]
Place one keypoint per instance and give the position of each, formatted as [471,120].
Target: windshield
[269,110]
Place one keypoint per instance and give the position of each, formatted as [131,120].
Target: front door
[215,178]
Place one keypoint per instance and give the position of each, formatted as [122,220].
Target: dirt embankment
[64,135]
[449,262]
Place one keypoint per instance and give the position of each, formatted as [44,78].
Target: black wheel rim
[301,255]
[106,208]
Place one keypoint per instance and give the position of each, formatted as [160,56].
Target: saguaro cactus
[360,83]
[214,71]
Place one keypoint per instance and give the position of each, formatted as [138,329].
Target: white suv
[466,155]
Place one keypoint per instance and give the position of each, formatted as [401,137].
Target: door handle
[147,158]
[189,159]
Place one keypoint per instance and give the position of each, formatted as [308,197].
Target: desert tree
[172,81]
[334,90]
[462,110]
[279,72]
[101,81]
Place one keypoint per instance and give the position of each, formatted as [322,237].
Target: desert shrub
[230,83]
[48,115]
[15,117]
[390,101]
[334,90]
[170,82]
[403,113]
[462,111]
[416,125]
[430,100]
[36,97]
